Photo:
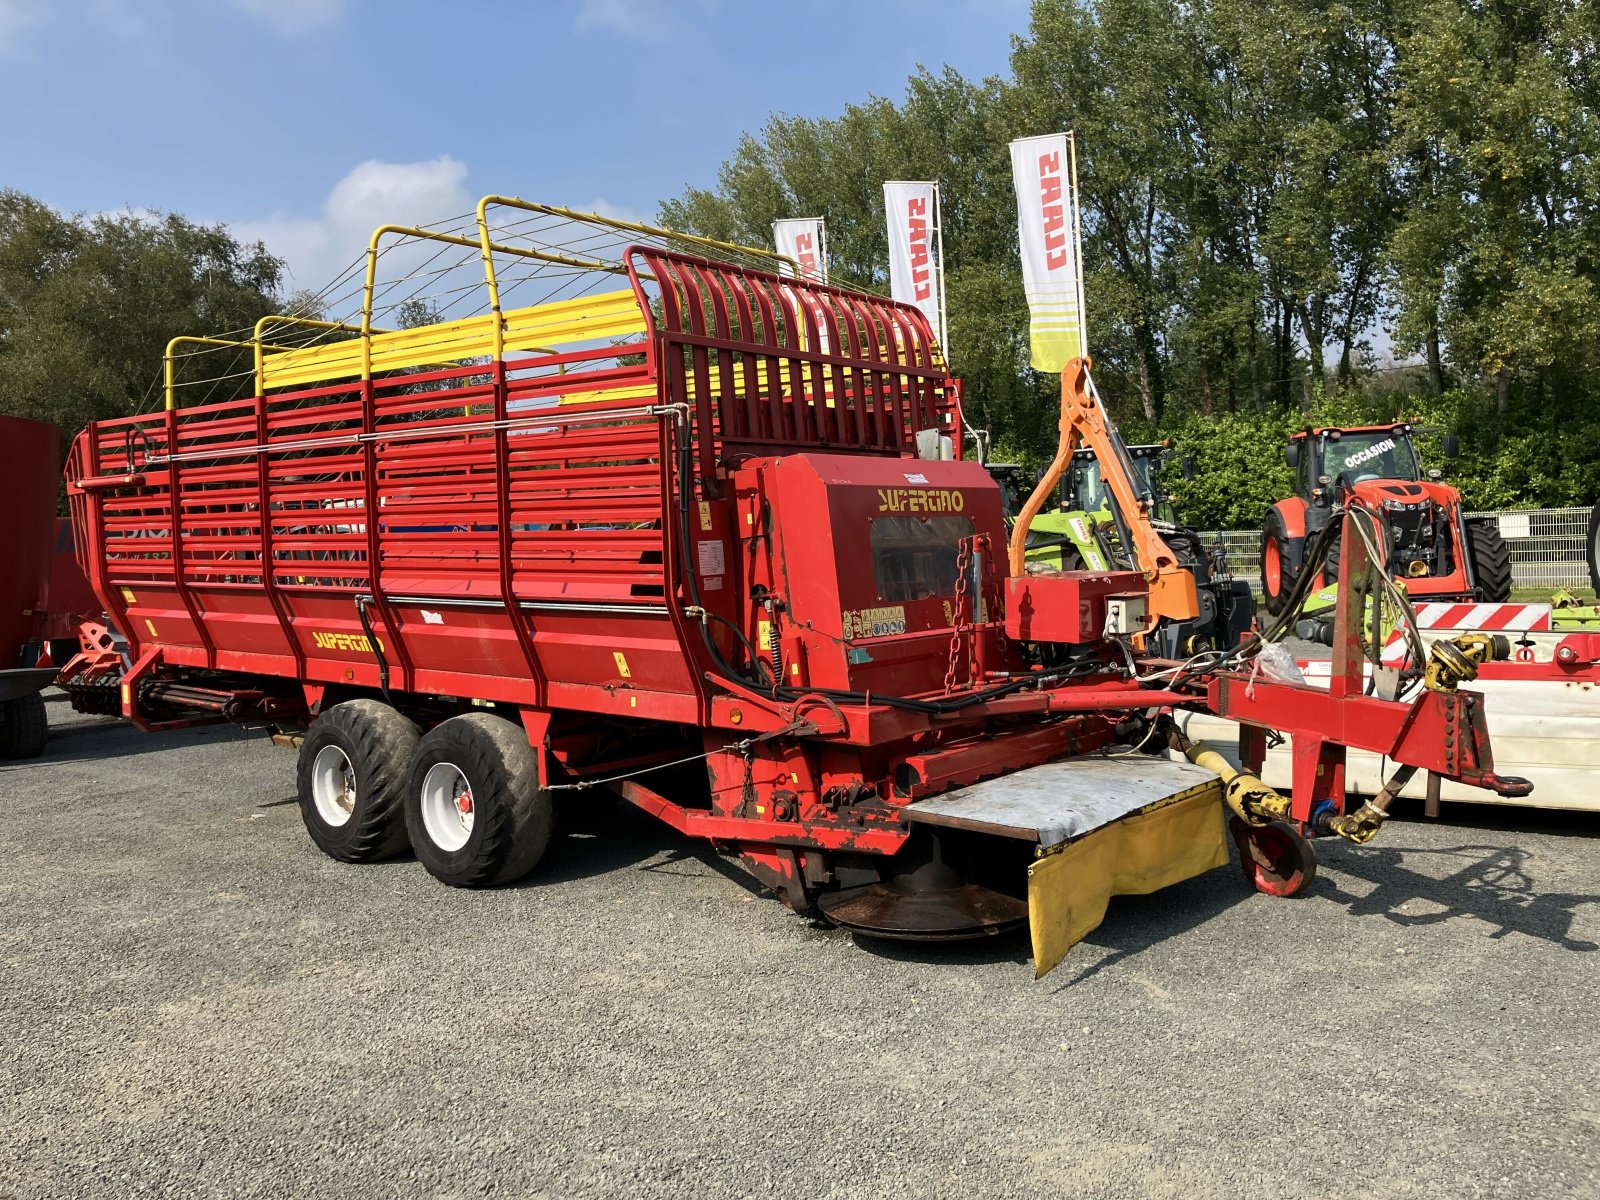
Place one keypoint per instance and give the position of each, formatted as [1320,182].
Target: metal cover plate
[25,681]
[1062,800]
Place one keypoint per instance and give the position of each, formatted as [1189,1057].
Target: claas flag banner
[913,211]
[1043,170]
[804,240]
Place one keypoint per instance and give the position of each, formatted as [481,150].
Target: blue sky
[307,122]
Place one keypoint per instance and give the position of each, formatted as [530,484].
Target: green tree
[88,304]
[1265,183]
[1499,134]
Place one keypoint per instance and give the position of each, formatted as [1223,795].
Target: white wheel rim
[333,786]
[447,806]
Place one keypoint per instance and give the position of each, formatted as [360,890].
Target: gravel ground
[194,1002]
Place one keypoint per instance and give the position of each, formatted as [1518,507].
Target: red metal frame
[613,570]
[29,453]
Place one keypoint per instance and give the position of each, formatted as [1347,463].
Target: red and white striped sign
[1489,618]
[1482,618]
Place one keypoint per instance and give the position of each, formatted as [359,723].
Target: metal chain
[963,570]
[994,597]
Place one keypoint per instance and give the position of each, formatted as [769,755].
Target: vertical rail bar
[520,621]
[750,391]
[804,430]
[855,381]
[727,406]
[372,502]
[699,358]
[269,573]
[175,514]
[779,422]
[116,599]
[879,386]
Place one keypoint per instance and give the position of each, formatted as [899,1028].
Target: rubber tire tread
[1594,549]
[1491,562]
[514,815]
[23,726]
[379,743]
[1273,528]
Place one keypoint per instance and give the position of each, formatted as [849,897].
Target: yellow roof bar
[605,315]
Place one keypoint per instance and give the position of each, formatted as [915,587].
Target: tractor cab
[1347,457]
[1430,546]
[1084,488]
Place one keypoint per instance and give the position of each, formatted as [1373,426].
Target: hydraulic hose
[376,647]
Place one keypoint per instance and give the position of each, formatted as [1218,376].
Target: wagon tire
[475,811]
[23,726]
[1491,562]
[351,780]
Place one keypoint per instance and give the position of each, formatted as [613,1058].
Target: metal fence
[1548,547]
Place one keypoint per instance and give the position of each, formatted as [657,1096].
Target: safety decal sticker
[873,622]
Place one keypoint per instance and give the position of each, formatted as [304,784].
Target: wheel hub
[333,786]
[448,812]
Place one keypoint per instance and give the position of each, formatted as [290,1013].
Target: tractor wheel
[1278,572]
[1594,549]
[351,779]
[23,725]
[1330,564]
[1071,558]
[474,808]
[1491,562]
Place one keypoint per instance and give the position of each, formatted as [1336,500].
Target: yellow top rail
[533,329]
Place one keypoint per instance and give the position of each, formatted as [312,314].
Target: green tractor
[1087,534]
[1079,536]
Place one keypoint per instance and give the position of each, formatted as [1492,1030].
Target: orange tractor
[1431,548]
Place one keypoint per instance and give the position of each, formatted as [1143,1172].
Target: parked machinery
[1429,546]
[30,457]
[667,532]
[1089,532]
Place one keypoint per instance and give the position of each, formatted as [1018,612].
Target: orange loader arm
[1084,422]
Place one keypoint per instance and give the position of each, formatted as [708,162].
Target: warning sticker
[712,559]
[873,622]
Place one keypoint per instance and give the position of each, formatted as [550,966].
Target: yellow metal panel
[647,391]
[611,315]
[638,391]
[1068,890]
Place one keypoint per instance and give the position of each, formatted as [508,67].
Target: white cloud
[126,18]
[319,247]
[22,20]
[293,17]
[18,18]
[617,212]
[634,18]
